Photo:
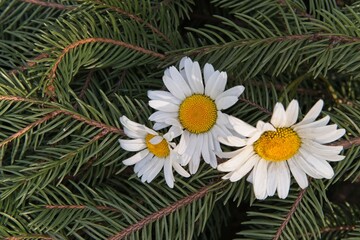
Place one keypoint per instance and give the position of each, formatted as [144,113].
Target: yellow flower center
[198,113]
[161,150]
[278,145]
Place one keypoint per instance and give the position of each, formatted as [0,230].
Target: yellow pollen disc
[279,145]
[198,113]
[161,150]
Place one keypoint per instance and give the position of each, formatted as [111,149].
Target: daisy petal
[232,141]
[244,169]
[314,112]
[206,151]
[298,174]
[208,72]
[292,113]
[159,164]
[278,118]
[168,173]
[195,161]
[132,145]
[234,91]
[163,106]
[271,179]
[156,140]
[225,102]
[179,169]
[260,179]
[158,125]
[177,86]
[321,167]
[160,116]
[173,132]
[319,123]
[330,137]
[237,161]
[305,166]
[144,162]
[216,84]
[184,142]
[136,158]
[283,179]
[163,95]
[241,127]
[193,74]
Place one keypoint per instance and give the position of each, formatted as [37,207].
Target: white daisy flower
[272,150]
[155,152]
[192,107]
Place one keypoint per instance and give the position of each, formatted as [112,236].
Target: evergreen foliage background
[70,68]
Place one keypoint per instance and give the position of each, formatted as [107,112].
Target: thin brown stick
[337,229]
[17,99]
[28,127]
[86,84]
[49,4]
[289,215]
[136,18]
[347,143]
[51,87]
[160,214]
[32,236]
[267,111]
[80,207]
[333,39]
[30,63]
[72,114]
[93,123]
[101,40]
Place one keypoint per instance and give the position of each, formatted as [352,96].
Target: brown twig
[51,87]
[28,127]
[333,39]
[347,143]
[17,99]
[289,215]
[49,4]
[337,229]
[160,214]
[256,105]
[84,88]
[30,63]
[33,236]
[101,40]
[80,207]
[93,123]
[136,18]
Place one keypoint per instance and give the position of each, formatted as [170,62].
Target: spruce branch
[105,208]
[353,142]
[261,108]
[20,99]
[94,123]
[49,4]
[53,114]
[161,213]
[52,75]
[338,228]
[30,236]
[29,127]
[289,214]
[30,63]
[333,39]
[136,18]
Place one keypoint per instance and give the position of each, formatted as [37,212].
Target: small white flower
[192,108]
[272,150]
[155,152]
